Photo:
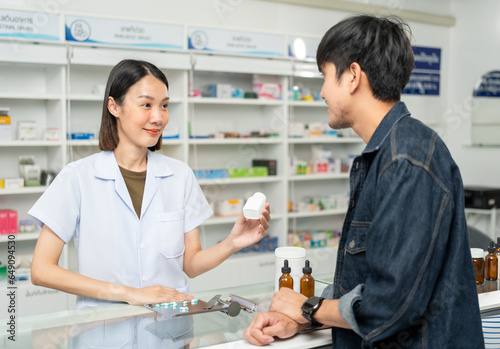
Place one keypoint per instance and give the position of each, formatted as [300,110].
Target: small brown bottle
[286,279]
[478,264]
[491,263]
[307,281]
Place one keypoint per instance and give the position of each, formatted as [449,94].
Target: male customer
[404,276]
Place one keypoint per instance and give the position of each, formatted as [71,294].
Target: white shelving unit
[62,86]
[34,88]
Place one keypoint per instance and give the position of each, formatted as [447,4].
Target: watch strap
[309,312]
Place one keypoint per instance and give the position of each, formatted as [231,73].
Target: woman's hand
[155,294]
[247,232]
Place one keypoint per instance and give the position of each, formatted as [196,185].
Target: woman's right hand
[155,294]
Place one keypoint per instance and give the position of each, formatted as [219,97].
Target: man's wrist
[309,308]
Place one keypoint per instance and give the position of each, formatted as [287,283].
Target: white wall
[240,14]
[475,50]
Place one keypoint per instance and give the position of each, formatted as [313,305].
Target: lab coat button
[141,245]
[144,278]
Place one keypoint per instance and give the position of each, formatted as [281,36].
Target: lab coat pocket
[171,233]
[355,268]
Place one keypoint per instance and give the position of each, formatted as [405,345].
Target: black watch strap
[310,307]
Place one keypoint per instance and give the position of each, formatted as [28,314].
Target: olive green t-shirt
[135,182]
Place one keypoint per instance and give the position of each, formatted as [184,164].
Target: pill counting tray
[231,307]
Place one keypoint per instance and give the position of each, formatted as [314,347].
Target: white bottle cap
[477,252]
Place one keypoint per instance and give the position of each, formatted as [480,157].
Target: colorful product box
[8,222]
[267,90]
[270,164]
[5,128]
[258,171]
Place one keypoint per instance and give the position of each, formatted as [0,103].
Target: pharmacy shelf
[319,176]
[35,143]
[340,211]
[95,142]
[307,104]
[25,190]
[235,101]
[215,220]
[83,142]
[20,237]
[30,96]
[223,141]
[246,180]
[336,140]
[98,98]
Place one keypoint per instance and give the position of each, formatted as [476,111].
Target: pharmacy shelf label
[238,42]
[124,33]
[29,25]
[426,74]
[302,47]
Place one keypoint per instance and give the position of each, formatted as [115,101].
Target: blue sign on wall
[426,73]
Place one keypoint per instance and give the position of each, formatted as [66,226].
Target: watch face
[310,304]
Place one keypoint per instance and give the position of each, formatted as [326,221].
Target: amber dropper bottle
[286,279]
[491,263]
[307,281]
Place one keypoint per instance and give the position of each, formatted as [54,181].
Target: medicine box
[11,183]
[26,130]
[258,171]
[210,174]
[229,207]
[267,90]
[82,135]
[218,91]
[8,222]
[5,128]
[270,164]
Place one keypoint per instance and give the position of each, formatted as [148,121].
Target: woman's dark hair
[121,78]
[381,46]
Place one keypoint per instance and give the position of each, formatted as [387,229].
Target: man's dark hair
[381,46]
[125,74]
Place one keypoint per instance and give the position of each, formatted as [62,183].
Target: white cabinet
[33,86]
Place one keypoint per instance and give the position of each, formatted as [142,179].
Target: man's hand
[289,303]
[267,325]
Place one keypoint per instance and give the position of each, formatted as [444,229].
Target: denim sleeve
[346,306]
[405,249]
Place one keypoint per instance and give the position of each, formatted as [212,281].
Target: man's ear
[112,107]
[355,76]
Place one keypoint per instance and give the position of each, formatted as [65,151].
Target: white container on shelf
[296,257]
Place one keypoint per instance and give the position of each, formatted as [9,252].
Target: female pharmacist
[132,213]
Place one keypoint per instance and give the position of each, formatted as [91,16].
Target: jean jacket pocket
[170,227]
[355,268]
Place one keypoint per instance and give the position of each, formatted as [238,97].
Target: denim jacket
[404,272]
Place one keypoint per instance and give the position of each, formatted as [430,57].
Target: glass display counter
[124,326]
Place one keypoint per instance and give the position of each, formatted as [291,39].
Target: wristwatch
[309,307]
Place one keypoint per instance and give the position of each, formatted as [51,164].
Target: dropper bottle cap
[286,269]
[307,269]
[497,245]
[492,247]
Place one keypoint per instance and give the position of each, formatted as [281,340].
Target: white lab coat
[89,202]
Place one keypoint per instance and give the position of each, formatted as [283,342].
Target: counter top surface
[123,326]
[120,325]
